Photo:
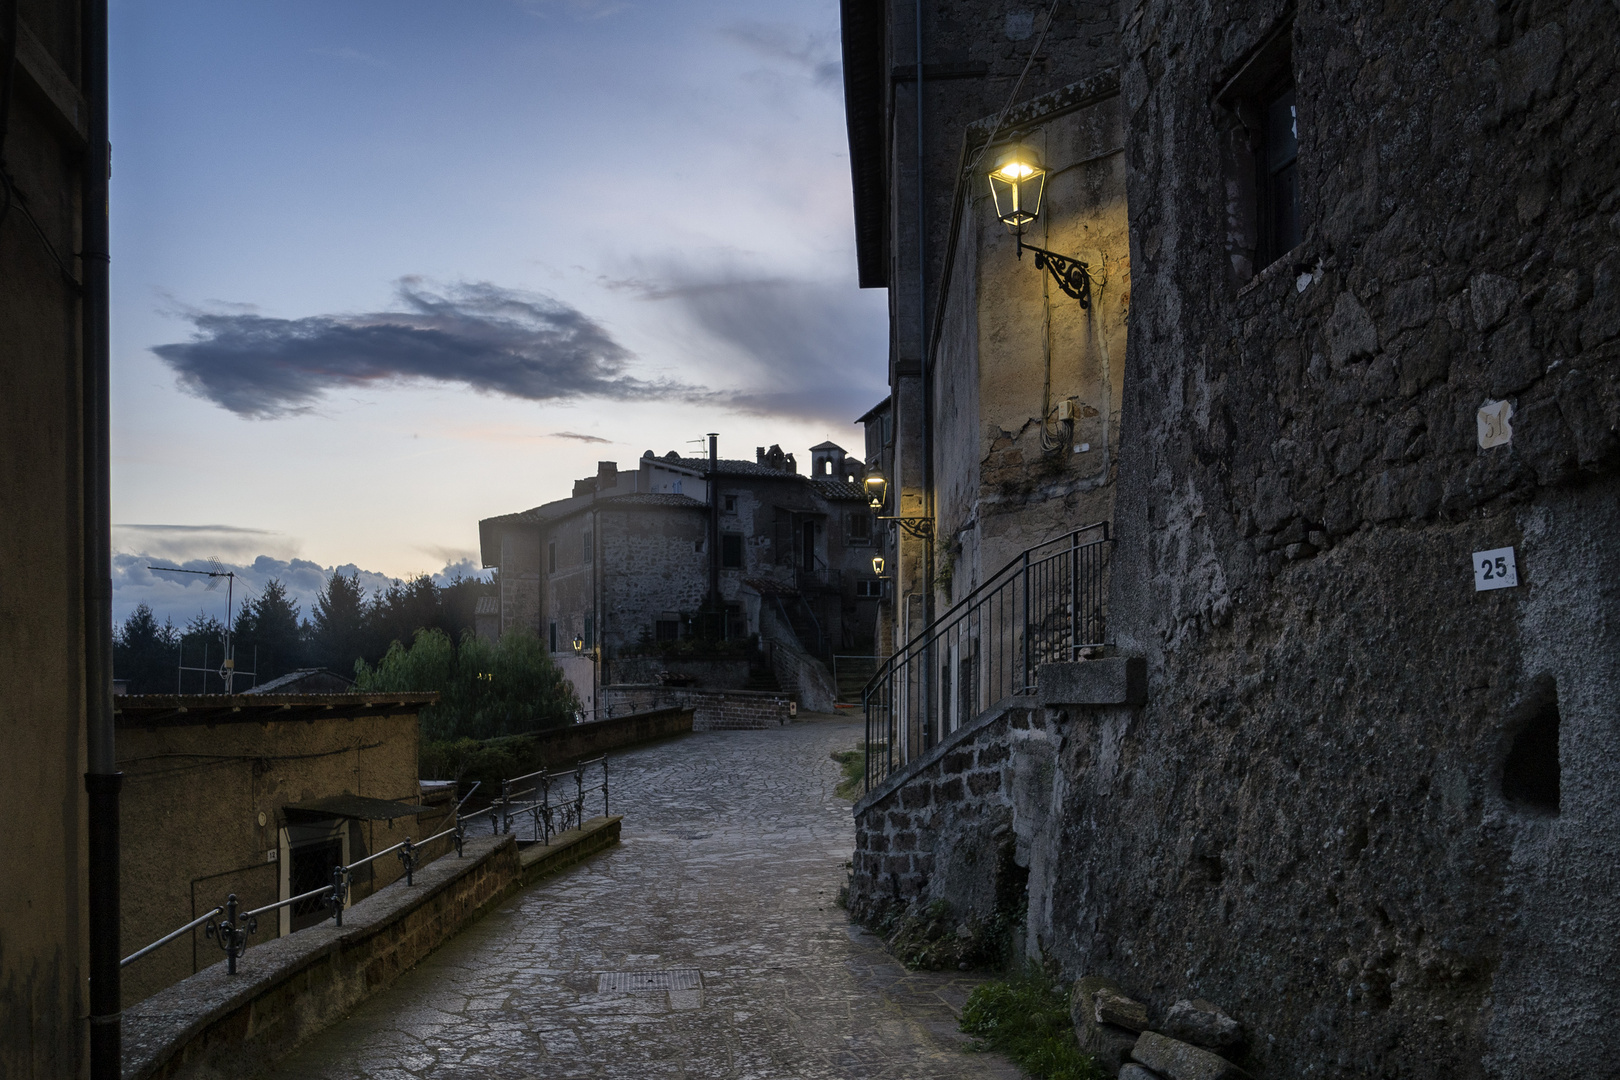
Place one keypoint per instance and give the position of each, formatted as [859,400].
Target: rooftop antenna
[215,571]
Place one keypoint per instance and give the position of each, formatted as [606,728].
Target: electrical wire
[1001,117]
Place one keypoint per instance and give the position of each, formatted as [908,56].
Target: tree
[268,638]
[144,653]
[202,644]
[486,690]
[399,611]
[339,637]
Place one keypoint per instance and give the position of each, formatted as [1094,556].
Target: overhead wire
[1001,117]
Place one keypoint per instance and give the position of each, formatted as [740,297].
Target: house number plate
[1495,569]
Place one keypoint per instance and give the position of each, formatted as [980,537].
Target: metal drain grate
[678,979]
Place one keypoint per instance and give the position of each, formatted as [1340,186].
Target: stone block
[1203,1024]
[1111,680]
[958,763]
[1182,1061]
[983,783]
[994,754]
[951,790]
[1110,1006]
[1110,1045]
[915,796]
[898,820]
[1132,1071]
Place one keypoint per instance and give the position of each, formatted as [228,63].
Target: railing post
[506,806]
[339,893]
[604,787]
[231,937]
[1024,573]
[407,855]
[1074,595]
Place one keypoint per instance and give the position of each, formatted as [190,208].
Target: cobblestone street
[724,888]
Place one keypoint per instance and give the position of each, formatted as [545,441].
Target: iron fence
[552,806]
[1043,606]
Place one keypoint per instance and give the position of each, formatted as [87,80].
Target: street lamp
[877,565]
[1017,183]
[876,489]
[579,645]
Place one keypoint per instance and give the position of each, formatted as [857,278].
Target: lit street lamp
[1017,183]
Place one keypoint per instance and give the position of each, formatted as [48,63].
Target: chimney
[759,455]
[789,464]
[586,486]
[607,476]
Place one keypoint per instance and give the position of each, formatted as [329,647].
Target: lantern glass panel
[1017,185]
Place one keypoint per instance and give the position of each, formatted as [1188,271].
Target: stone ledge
[214,1024]
[1111,680]
[568,848]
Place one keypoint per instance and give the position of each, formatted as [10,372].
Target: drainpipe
[925,377]
[102,779]
[717,607]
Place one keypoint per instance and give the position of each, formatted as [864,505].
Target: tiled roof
[734,467]
[839,490]
[654,498]
[539,515]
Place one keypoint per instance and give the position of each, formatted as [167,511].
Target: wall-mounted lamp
[877,565]
[1017,183]
[876,489]
[579,645]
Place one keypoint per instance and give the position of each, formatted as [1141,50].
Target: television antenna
[215,571]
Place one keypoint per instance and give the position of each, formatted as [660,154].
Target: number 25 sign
[1495,569]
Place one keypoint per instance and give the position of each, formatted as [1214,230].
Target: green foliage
[338,634]
[145,653]
[1026,1017]
[487,761]
[486,690]
[854,765]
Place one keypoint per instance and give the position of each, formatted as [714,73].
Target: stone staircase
[852,673]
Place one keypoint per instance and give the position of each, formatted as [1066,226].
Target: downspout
[925,377]
[102,779]
[716,606]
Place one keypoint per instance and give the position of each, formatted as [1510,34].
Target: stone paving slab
[733,850]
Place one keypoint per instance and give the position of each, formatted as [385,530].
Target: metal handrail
[1044,605]
[166,938]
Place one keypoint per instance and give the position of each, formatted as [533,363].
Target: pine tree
[339,635]
[144,653]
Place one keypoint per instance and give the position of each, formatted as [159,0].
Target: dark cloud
[817,56]
[479,335]
[579,438]
[814,350]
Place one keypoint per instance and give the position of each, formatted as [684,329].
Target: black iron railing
[554,801]
[1043,606]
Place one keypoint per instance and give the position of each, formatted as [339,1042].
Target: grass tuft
[1026,1017]
[854,765]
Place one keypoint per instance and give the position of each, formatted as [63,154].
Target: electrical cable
[1001,117]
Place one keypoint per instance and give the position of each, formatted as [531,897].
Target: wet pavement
[708,944]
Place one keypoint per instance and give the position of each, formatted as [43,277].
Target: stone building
[1343,765]
[629,560]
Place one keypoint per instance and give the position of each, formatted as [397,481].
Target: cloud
[580,438]
[491,339]
[808,349]
[177,543]
[814,54]
[181,597]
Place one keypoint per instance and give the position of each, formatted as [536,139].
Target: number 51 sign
[1495,569]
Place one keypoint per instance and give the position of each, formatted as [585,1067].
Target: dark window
[860,528]
[666,630]
[809,549]
[309,867]
[1276,168]
[552,638]
[590,632]
[586,543]
[731,551]
[731,504]
[551,557]
[871,589]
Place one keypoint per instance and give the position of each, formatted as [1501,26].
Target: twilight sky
[381,269]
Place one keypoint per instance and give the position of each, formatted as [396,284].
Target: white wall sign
[1495,569]
[1495,421]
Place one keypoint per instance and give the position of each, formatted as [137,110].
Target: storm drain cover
[678,979]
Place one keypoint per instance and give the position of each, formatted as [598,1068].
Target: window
[666,629]
[552,637]
[590,632]
[1276,167]
[860,528]
[1261,133]
[586,542]
[869,589]
[731,551]
[551,559]
[731,504]
[808,551]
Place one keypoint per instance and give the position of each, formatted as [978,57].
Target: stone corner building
[1325,773]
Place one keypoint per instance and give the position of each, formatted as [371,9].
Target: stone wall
[1365,805]
[964,823]
[560,746]
[709,710]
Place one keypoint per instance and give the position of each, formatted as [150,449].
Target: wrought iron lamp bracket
[920,527]
[1072,275]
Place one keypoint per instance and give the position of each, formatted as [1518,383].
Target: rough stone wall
[1309,821]
[736,710]
[654,560]
[945,831]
